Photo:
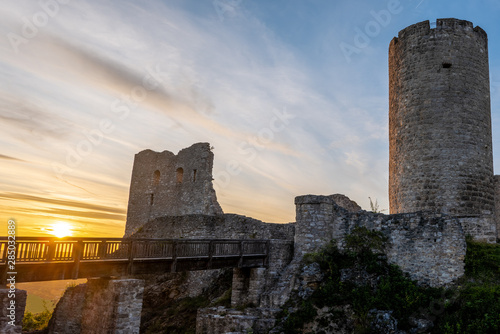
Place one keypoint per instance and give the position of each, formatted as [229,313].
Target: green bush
[471,307]
[477,308]
[483,261]
[36,321]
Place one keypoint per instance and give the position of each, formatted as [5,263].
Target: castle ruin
[441,185]
[441,156]
[165,184]
[441,189]
[440,140]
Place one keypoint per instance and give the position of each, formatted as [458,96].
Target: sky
[292,95]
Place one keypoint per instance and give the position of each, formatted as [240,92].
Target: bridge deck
[41,259]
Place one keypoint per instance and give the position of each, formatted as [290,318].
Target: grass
[36,321]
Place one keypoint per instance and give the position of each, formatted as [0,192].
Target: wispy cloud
[6,157]
[22,115]
[105,210]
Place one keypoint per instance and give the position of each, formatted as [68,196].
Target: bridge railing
[39,249]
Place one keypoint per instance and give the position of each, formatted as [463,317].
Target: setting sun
[61,230]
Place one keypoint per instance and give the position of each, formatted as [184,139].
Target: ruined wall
[314,215]
[248,284]
[100,306]
[165,184]
[227,226]
[440,120]
[216,320]
[67,316]
[17,312]
[481,228]
[431,248]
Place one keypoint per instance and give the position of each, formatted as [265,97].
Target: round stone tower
[440,120]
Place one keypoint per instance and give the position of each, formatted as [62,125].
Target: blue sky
[87,84]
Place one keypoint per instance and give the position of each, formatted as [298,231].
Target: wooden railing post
[102,250]
[130,267]
[240,261]
[211,251]
[77,256]
[173,268]
[51,251]
[267,250]
[4,252]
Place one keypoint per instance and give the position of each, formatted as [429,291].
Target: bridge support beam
[248,284]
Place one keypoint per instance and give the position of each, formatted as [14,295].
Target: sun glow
[61,229]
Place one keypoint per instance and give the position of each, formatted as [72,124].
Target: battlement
[442,29]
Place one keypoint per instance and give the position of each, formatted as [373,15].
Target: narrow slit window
[152,199]
[180,174]
[194,175]
[156,177]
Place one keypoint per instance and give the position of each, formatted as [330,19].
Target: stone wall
[440,142]
[248,284]
[67,316]
[481,228]
[17,313]
[216,320]
[497,204]
[431,248]
[165,184]
[227,226]
[314,215]
[100,306]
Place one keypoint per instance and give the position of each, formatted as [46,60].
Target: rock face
[165,184]
[16,314]
[383,322]
[100,306]
[67,316]
[440,120]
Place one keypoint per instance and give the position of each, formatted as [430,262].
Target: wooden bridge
[42,259]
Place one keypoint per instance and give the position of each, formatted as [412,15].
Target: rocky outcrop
[11,316]
[100,306]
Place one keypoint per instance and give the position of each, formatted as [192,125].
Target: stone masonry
[497,204]
[13,313]
[165,184]
[431,248]
[440,120]
[102,305]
